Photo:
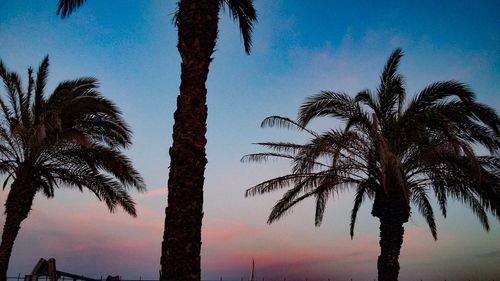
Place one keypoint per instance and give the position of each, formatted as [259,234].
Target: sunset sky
[300,47]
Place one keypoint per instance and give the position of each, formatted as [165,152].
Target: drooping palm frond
[438,92]
[109,160]
[338,105]
[299,180]
[281,147]
[263,157]
[66,7]
[284,122]
[440,193]
[244,12]
[364,189]
[420,199]
[487,188]
[333,148]
[285,204]
[321,198]
[327,103]
[366,97]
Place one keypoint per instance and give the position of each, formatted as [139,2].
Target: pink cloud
[153,193]
[85,238]
[279,255]
[223,231]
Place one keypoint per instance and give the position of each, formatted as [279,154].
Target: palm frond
[421,200]
[391,91]
[277,183]
[486,115]
[326,103]
[41,81]
[284,122]
[361,191]
[438,92]
[244,12]
[367,98]
[3,71]
[480,135]
[29,94]
[391,67]
[263,157]
[281,147]
[111,161]
[284,205]
[12,93]
[66,7]
[314,185]
[111,192]
[487,188]
[321,199]
[477,208]
[68,90]
[440,192]
[7,115]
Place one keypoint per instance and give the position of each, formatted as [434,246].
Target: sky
[300,48]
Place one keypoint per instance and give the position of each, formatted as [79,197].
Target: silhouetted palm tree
[393,152]
[72,138]
[197,23]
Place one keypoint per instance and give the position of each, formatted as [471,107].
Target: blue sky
[299,49]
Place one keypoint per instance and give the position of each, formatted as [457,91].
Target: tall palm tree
[72,138]
[197,24]
[394,152]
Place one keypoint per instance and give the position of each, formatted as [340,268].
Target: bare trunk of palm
[392,212]
[17,208]
[197,30]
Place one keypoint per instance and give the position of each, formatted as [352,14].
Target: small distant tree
[393,152]
[73,138]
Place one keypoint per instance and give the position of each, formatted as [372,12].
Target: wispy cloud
[153,193]
[492,254]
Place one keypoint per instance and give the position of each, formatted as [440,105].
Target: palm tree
[197,24]
[72,138]
[394,152]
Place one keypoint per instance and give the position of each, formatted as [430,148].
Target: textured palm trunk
[392,212]
[17,208]
[197,31]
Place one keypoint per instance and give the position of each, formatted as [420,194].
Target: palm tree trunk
[392,212]
[17,208]
[197,30]
[391,239]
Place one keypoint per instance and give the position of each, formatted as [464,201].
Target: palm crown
[241,11]
[393,152]
[393,148]
[71,138]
